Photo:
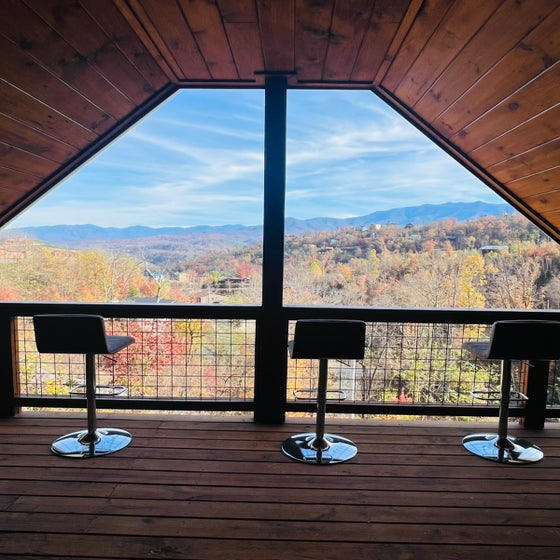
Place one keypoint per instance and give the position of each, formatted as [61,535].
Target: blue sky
[198,160]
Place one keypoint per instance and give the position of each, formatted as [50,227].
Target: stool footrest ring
[100,390]
[311,394]
[514,396]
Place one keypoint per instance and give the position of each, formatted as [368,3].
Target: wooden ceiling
[479,77]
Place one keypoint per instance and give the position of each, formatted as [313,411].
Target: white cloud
[199,160]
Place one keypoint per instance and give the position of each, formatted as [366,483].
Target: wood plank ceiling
[479,77]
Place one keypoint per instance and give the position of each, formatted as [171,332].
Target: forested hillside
[503,262]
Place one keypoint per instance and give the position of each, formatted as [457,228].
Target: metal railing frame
[270,404]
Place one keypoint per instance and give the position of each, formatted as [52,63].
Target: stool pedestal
[320,448]
[500,447]
[94,441]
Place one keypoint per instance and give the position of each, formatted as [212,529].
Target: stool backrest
[329,339]
[70,334]
[525,340]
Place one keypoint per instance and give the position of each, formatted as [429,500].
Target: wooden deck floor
[220,489]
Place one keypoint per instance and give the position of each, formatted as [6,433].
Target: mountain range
[80,236]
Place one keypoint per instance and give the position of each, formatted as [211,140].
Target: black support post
[7,366]
[271,335]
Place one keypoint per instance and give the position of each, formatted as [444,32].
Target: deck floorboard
[197,488]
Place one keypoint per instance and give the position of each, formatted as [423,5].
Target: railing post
[534,383]
[8,349]
[271,336]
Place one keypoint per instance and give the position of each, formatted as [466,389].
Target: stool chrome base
[514,451]
[307,448]
[81,445]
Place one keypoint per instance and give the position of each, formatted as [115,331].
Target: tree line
[492,262]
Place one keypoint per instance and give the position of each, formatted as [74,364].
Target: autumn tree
[512,281]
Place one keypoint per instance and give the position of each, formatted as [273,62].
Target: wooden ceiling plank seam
[537,183]
[57,56]
[531,100]
[134,14]
[403,29]
[373,53]
[12,189]
[49,89]
[348,30]
[277,27]
[545,202]
[30,140]
[22,160]
[537,160]
[384,23]
[552,216]
[482,174]
[17,181]
[423,27]
[241,26]
[108,15]
[95,45]
[10,172]
[175,38]
[58,174]
[208,31]
[460,24]
[31,112]
[238,11]
[524,62]
[49,51]
[530,134]
[244,41]
[291,77]
[481,53]
[312,28]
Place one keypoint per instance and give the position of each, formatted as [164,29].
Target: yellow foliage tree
[472,277]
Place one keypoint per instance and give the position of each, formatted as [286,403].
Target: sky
[198,160]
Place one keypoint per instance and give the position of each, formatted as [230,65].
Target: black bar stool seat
[323,340]
[83,334]
[511,340]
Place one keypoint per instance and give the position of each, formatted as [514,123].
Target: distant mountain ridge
[236,234]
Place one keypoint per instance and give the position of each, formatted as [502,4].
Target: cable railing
[190,359]
[417,363]
[204,358]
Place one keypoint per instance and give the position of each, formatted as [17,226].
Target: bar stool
[83,334]
[324,340]
[511,340]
